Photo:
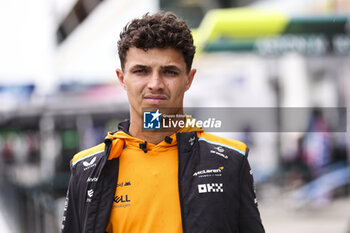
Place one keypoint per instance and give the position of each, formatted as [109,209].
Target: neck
[153,136]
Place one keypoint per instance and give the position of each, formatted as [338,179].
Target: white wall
[90,53]
[28,49]
[26,43]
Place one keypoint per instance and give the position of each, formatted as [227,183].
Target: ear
[190,78]
[120,75]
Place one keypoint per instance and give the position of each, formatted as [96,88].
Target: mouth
[155,98]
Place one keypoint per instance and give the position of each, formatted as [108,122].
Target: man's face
[155,78]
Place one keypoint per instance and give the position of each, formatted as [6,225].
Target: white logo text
[211,188]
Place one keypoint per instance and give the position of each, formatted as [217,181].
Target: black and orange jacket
[209,203]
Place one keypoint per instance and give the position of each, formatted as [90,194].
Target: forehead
[154,57]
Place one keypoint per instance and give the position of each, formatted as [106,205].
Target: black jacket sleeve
[70,221]
[249,216]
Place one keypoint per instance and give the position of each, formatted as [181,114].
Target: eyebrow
[139,67]
[171,67]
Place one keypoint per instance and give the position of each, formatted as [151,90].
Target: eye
[171,72]
[140,71]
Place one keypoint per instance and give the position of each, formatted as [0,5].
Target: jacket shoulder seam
[82,155]
[232,144]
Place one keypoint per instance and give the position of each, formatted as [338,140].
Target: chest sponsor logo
[209,172]
[90,164]
[127,183]
[121,201]
[92,179]
[191,141]
[211,188]
[124,184]
[90,194]
[219,151]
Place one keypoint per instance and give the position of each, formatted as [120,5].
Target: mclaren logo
[208,172]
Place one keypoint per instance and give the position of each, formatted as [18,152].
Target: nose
[156,82]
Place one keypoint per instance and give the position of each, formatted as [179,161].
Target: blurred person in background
[317,144]
[179,180]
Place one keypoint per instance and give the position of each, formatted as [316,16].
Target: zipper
[179,182]
[108,146]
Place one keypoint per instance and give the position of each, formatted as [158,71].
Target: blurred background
[59,94]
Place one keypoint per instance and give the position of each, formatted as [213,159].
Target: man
[178,180]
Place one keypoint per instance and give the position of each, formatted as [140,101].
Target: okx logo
[151,120]
[211,188]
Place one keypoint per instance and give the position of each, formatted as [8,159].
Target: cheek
[133,89]
[179,88]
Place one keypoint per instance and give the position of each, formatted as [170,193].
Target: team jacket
[209,203]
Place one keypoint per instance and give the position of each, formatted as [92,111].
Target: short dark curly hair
[160,30]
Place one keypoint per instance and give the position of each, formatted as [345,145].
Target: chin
[153,107]
[163,107]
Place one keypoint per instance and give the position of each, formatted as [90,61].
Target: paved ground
[4,228]
[279,216]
